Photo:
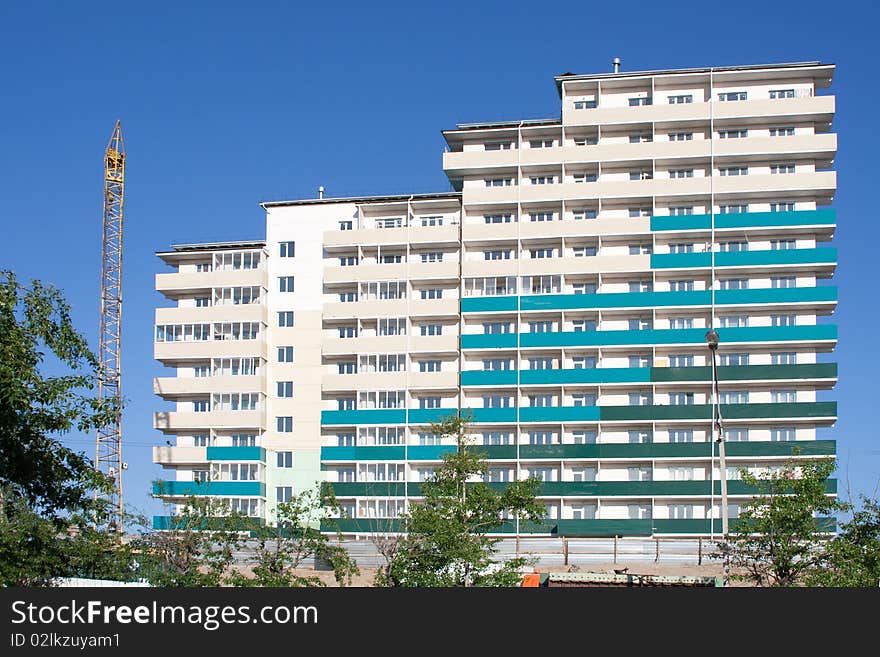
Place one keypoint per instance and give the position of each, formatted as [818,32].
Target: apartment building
[559,296]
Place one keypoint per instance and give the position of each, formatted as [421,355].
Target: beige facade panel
[435,380]
[170,386]
[176,351]
[168,456]
[586,227]
[173,421]
[434,307]
[252,312]
[434,343]
[482,231]
[364,345]
[823,182]
[176,283]
[433,270]
[603,264]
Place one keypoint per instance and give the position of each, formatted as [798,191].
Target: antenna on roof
[320,191]
[616,64]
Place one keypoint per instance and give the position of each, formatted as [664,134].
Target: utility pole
[717,425]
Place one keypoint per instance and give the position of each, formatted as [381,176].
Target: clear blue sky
[227,104]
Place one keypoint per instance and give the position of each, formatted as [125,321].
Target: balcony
[171,456]
[196,488]
[176,284]
[173,421]
[251,312]
[824,217]
[170,352]
[171,387]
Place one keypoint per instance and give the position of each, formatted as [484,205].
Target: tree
[852,558]
[776,541]
[446,541]
[282,547]
[47,491]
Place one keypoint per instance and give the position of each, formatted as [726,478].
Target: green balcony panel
[673,450]
[489,341]
[729,411]
[429,415]
[187,488]
[491,415]
[597,528]
[649,488]
[559,414]
[765,257]
[361,525]
[236,454]
[681,260]
[428,452]
[488,304]
[370,488]
[364,453]
[488,378]
[586,375]
[373,416]
[164,523]
[496,452]
[745,372]
[787,448]
[823,217]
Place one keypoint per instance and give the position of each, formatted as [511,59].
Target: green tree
[281,548]
[47,500]
[776,541]
[852,558]
[446,541]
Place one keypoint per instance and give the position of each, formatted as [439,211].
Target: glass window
[284,459]
[286,249]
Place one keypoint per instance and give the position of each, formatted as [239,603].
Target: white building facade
[560,298]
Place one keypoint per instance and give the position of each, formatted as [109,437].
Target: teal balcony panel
[428,452]
[488,377]
[364,453]
[370,488]
[197,488]
[825,293]
[729,411]
[491,415]
[820,255]
[429,415]
[586,375]
[496,452]
[361,525]
[559,414]
[236,454]
[165,523]
[616,300]
[489,341]
[372,416]
[823,217]
[488,304]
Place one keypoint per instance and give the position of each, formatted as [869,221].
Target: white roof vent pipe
[320,191]
[616,64]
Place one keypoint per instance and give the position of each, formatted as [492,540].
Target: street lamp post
[717,425]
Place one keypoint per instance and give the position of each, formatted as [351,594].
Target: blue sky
[227,104]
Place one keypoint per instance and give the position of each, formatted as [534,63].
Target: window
[286,249]
[681,286]
[284,424]
[640,473]
[235,296]
[499,474]
[347,367]
[542,253]
[540,363]
[497,438]
[639,212]
[733,246]
[285,318]
[584,287]
[542,400]
[390,259]
[431,293]
[583,362]
[735,170]
[583,473]
[201,405]
[549,284]
[783,396]
[737,435]
[681,360]
[497,327]
[639,511]
[432,221]
[783,281]
[285,283]
[734,283]
[579,325]
[499,182]
[429,402]
[583,398]
[348,261]
[588,140]
[496,364]
[681,173]
[585,213]
[681,136]
[584,252]
[498,254]
[681,100]
[733,134]
[781,93]
[782,320]
[734,397]
[203,302]
[497,401]
[497,145]
[782,206]
[782,434]
[584,436]
[680,210]
[681,322]
[540,143]
[284,459]
[236,366]
[285,388]
[783,358]
[541,216]
[543,326]
[641,174]
[681,435]
[782,131]
[734,360]
[429,366]
[389,222]
[681,398]
[431,329]
[641,286]
[347,331]
[640,249]
[283,494]
[782,245]
[640,138]
[640,324]
[204,267]
[244,440]
[200,440]
[641,399]
[585,104]
[681,511]
[542,180]
[735,208]
[432,256]
[497,218]
[540,437]
[346,225]
[429,439]
[200,371]
[733,321]
[732,95]
[681,248]
[784,167]
[348,297]
[585,177]
[637,102]
[285,354]
[639,361]
[201,476]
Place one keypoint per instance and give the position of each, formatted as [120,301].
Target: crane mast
[108,441]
